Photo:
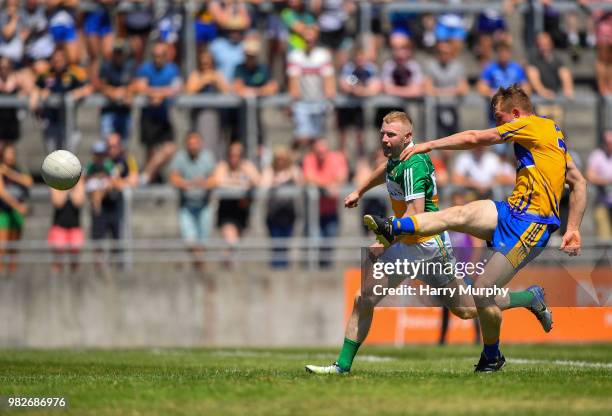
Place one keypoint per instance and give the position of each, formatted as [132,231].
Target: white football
[61,170]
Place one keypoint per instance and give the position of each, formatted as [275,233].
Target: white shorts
[434,253]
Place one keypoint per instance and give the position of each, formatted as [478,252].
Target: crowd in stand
[312,50]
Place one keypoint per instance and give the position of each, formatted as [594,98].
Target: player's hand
[352,200]
[571,242]
[415,150]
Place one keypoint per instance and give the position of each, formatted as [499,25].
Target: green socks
[520,299]
[347,354]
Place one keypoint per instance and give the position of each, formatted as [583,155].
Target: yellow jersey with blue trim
[542,158]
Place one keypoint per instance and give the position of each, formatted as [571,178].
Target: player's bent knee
[466,312]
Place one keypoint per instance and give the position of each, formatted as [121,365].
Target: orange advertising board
[571,324]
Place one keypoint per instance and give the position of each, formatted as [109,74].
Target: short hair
[512,97]
[398,116]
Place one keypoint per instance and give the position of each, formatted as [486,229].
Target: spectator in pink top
[599,173]
[327,170]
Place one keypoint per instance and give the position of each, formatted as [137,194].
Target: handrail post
[252,133]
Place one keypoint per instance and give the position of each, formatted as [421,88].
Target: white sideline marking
[568,363]
[247,354]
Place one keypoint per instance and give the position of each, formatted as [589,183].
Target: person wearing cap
[115,77]
[103,194]
[253,78]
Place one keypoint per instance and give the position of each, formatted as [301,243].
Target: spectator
[206,79]
[115,81]
[489,27]
[230,13]
[297,18]
[9,85]
[191,172]
[253,79]
[276,34]
[66,234]
[281,212]
[14,191]
[62,25]
[125,167]
[401,75]
[160,81]
[481,170]
[206,29]
[311,82]
[445,77]
[169,27]
[328,171]
[501,73]
[450,28]
[332,19]
[227,51]
[61,79]
[136,21]
[359,78]
[374,205]
[39,43]
[98,30]
[238,173]
[547,72]
[603,65]
[599,172]
[13,32]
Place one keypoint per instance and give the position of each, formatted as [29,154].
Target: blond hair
[400,116]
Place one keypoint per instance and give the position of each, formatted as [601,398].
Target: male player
[412,189]
[515,228]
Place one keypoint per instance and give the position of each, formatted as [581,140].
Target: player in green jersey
[412,189]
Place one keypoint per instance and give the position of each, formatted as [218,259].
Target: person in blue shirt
[159,80]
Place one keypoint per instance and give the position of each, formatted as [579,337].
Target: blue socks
[403,226]
[491,351]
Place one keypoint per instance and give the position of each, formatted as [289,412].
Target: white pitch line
[568,363]
[252,354]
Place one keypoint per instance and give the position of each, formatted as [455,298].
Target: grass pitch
[423,380]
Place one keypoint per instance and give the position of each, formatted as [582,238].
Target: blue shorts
[63,33]
[518,239]
[97,23]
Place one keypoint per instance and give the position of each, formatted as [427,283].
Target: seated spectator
[66,234]
[206,29]
[228,51]
[253,79]
[63,28]
[328,171]
[374,205]
[297,18]
[191,172]
[547,72]
[9,85]
[450,28]
[238,173]
[229,14]
[159,80]
[358,78]
[332,18]
[15,183]
[401,75]
[281,211]
[206,79]
[445,77]
[125,167]
[311,83]
[12,22]
[98,29]
[61,79]
[115,81]
[169,27]
[503,72]
[276,35]
[481,170]
[39,44]
[136,21]
[599,173]
[489,27]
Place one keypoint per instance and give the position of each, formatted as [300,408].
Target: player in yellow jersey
[514,228]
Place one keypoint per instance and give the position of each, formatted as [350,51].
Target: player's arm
[376,178]
[464,140]
[414,207]
[577,204]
